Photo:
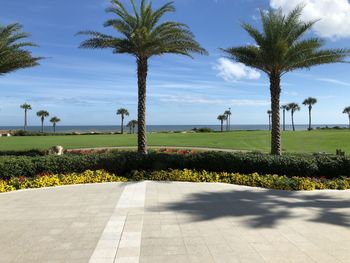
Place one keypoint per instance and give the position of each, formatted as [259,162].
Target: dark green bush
[23,153]
[125,162]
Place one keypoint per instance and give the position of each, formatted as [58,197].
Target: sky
[86,87]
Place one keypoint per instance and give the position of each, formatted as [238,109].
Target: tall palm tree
[222,118]
[293,107]
[228,119]
[269,112]
[54,121]
[144,36]
[347,111]
[26,108]
[42,114]
[12,54]
[284,108]
[281,48]
[310,102]
[122,112]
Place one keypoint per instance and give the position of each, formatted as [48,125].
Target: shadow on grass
[262,209]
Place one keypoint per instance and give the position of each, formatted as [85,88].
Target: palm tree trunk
[275,90]
[142,69]
[284,120]
[122,127]
[349,121]
[222,126]
[42,125]
[293,121]
[227,123]
[25,120]
[309,118]
[54,127]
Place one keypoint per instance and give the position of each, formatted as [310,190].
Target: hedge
[125,162]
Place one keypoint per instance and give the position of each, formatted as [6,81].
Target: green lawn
[300,141]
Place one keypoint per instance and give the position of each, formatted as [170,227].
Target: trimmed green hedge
[125,162]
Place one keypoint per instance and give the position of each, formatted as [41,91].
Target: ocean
[160,128]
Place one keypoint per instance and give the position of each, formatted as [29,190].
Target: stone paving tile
[60,224]
[174,222]
[226,223]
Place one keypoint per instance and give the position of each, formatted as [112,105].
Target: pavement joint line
[106,251]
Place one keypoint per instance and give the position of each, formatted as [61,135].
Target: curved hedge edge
[276,182]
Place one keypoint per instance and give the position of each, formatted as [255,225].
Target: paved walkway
[173,222]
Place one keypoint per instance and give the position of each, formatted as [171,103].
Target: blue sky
[85,87]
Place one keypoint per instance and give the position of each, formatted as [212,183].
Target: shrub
[31,153]
[266,181]
[125,162]
[48,180]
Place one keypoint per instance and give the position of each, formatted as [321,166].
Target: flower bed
[266,181]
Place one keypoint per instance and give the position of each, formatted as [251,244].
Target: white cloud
[209,101]
[232,72]
[334,15]
[334,81]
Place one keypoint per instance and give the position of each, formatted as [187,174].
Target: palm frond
[143,34]
[12,54]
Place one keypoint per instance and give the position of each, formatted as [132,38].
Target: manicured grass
[300,141]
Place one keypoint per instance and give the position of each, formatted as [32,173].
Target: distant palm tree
[222,118]
[42,114]
[284,107]
[281,48]
[269,112]
[12,54]
[310,102]
[347,111]
[26,108]
[122,112]
[129,125]
[228,119]
[144,36]
[293,107]
[133,125]
[54,121]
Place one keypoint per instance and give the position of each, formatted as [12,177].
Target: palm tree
[347,111]
[129,125]
[269,112]
[122,112]
[222,118]
[293,107]
[26,108]
[133,124]
[228,119]
[42,114]
[54,121]
[144,36]
[12,54]
[284,107]
[310,102]
[281,48]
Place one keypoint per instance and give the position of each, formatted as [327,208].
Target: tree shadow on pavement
[264,208]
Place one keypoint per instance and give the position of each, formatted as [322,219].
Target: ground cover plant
[266,181]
